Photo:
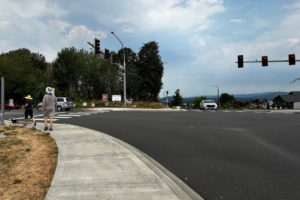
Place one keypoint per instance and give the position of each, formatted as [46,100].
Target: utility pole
[2,102]
[124,65]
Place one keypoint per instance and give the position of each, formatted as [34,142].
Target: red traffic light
[292,59]
[264,61]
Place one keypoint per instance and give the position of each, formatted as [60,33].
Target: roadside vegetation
[81,74]
[28,159]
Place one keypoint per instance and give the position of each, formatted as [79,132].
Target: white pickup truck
[208,105]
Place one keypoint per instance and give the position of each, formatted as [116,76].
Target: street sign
[105,97]
[11,103]
[116,98]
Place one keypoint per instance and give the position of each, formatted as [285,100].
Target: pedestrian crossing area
[66,115]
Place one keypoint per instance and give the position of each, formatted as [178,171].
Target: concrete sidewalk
[93,165]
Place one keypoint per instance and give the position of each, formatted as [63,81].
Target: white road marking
[59,117]
[69,115]
[38,119]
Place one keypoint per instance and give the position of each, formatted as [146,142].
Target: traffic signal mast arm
[264,60]
[259,61]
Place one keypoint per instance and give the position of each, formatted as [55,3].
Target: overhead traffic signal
[115,58]
[264,61]
[97,46]
[240,61]
[292,59]
[106,54]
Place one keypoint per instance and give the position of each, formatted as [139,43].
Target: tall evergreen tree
[150,70]
[177,99]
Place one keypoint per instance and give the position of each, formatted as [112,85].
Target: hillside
[239,97]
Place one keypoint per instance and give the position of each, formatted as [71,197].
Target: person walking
[49,107]
[28,110]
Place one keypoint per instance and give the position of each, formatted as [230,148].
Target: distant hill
[239,97]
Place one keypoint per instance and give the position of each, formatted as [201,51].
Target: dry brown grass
[28,159]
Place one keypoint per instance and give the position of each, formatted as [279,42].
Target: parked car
[129,101]
[7,107]
[63,103]
[208,105]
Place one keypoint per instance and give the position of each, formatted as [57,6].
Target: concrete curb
[178,186]
[182,190]
[139,109]
[142,179]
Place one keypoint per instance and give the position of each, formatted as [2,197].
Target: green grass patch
[11,133]
[7,128]
[55,150]
[17,181]
[4,159]
[3,143]
[27,149]
[16,142]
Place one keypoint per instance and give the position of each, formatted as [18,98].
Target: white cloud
[30,9]
[4,23]
[170,14]
[236,20]
[81,33]
[36,25]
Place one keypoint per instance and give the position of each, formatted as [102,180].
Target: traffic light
[115,58]
[264,61]
[97,46]
[106,54]
[292,59]
[240,61]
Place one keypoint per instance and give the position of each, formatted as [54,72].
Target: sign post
[2,102]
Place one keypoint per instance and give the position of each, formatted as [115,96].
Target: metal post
[124,65]
[219,99]
[167,99]
[124,77]
[218,95]
[2,102]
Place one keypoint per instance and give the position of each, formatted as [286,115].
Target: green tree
[177,99]
[67,71]
[83,75]
[227,100]
[25,73]
[197,101]
[150,70]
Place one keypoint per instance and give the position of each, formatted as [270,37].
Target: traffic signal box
[115,58]
[97,46]
[240,61]
[264,61]
[292,59]
[106,54]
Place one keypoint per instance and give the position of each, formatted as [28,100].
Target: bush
[100,103]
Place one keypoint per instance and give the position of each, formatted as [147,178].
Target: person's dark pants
[28,112]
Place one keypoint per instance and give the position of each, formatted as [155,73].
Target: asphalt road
[231,156]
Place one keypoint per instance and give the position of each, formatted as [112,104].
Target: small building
[290,101]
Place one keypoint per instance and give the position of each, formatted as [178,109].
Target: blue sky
[199,40]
